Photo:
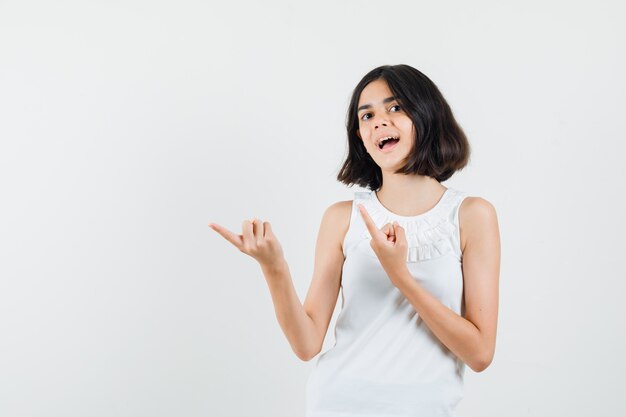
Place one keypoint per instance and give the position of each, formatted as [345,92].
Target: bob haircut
[440,147]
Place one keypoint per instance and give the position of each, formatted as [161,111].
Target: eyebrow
[367,106]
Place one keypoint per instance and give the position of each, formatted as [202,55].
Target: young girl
[417,263]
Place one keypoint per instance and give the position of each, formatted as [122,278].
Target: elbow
[482,362]
[306,356]
[479,366]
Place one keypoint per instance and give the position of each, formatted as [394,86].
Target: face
[380,116]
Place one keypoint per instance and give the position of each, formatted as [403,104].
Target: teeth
[380,142]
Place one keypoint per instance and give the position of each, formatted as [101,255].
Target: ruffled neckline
[429,234]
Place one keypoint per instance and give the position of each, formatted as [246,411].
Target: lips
[386,141]
[389,148]
[383,136]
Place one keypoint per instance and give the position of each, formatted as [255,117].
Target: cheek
[409,129]
[407,123]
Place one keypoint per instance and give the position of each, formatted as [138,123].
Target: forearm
[458,334]
[296,324]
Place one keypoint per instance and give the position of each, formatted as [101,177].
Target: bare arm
[472,338]
[305,325]
[296,324]
[323,292]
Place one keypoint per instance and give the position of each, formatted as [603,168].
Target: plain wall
[127,126]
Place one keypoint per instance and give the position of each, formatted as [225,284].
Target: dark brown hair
[440,147]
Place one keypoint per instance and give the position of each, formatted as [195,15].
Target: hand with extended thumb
[257,240]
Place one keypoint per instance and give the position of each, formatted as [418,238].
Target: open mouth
[388,142]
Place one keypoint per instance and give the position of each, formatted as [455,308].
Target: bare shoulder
[477,217]
[340,208]
[337,217]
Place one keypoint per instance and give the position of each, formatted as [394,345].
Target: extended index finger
[369,223]
[236,240]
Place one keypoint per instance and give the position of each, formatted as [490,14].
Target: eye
[363,116]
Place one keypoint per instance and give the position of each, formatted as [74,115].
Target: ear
[358,134]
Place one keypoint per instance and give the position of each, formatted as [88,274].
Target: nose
[382,121]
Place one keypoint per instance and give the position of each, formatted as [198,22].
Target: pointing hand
[389,243]
[257,240]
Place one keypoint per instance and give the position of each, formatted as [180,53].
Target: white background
[127,126]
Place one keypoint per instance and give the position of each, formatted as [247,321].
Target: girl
[417,263]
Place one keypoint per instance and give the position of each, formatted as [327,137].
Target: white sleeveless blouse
[385,361]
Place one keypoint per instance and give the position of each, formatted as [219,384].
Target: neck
[409,195]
